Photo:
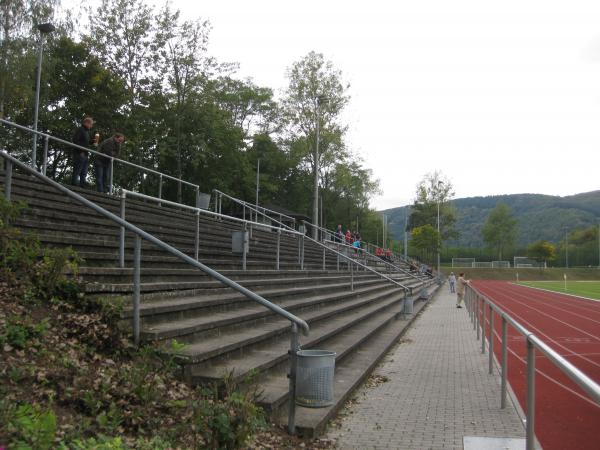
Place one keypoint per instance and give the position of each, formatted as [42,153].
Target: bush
[37,272]
[227,416]
[29,426]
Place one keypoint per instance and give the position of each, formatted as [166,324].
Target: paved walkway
[439,390]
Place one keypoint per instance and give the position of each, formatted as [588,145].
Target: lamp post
[320,100]
[438,228]
[44,28]
[257,180]
[566,249]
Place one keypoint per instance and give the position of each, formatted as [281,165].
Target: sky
[501,97]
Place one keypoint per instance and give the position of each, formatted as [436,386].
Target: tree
[314,101]
[426,239]
[183,65]
[434,192]
[542,250]
[500,229]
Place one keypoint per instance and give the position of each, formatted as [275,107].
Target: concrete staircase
[224,332]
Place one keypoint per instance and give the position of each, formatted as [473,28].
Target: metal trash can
[314,378]
[408,305]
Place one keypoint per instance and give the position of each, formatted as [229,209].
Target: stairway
[223,331]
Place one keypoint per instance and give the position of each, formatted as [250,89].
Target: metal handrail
[373,257]
[284,227]
[473,297]
[79,147]
[249,205]
[164,246]
[203,211]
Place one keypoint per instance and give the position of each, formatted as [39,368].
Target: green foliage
[18,332]
[29,426]
[542,250]
[433,193]
[227,417]
[427,240]
[500,229]
[24,264]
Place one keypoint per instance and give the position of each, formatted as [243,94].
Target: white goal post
[463,262]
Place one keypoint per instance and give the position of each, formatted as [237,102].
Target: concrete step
[253,347]
[171,315]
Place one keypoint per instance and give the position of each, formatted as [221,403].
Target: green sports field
[589,289]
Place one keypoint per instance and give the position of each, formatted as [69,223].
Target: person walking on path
[452,282]
[102,166]
[460,289]
[82,138]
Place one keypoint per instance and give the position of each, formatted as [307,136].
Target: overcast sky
[502,97]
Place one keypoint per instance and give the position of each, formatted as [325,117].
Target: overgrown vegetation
[69,379]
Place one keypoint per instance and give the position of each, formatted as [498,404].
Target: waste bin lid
[309,353]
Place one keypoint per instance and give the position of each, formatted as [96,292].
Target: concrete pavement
[438,390]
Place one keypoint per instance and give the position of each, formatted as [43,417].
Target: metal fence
[480,306]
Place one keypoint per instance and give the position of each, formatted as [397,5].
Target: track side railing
[296,322]
[479,306]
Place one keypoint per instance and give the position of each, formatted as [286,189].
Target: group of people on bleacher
[102,167]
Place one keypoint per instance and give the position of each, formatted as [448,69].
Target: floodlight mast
[43,28]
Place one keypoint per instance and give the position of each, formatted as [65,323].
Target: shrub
[227,416]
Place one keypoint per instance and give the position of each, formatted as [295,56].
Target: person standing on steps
[452,282]
[102,166]
[81,162]
[460,289]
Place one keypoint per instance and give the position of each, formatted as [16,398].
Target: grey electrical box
[203,200]
[238,239]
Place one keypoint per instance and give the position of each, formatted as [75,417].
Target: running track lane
[566,418]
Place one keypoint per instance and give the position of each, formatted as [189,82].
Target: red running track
[565,416]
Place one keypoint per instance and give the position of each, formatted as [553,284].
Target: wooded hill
[539,216]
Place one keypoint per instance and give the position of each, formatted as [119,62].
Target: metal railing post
[491,343]
[8,171]
[530,430]
[338,258]
[244,243]
[504,362]
[351,276]
[197,236]
[292,377]
[483,326]
[122,234]
[278,244]
[160,183]
[477,318]
[324,258]
[302,253]
[197,196]
[45,160]
[136,288]
[111,178]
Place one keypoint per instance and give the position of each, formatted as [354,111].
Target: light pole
[257,180]
[566,249]
[44,28]
[320,100]
[406,232]
[438,228]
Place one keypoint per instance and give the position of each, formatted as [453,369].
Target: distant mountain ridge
[539,216]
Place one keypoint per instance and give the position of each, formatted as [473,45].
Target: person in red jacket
[349,238]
